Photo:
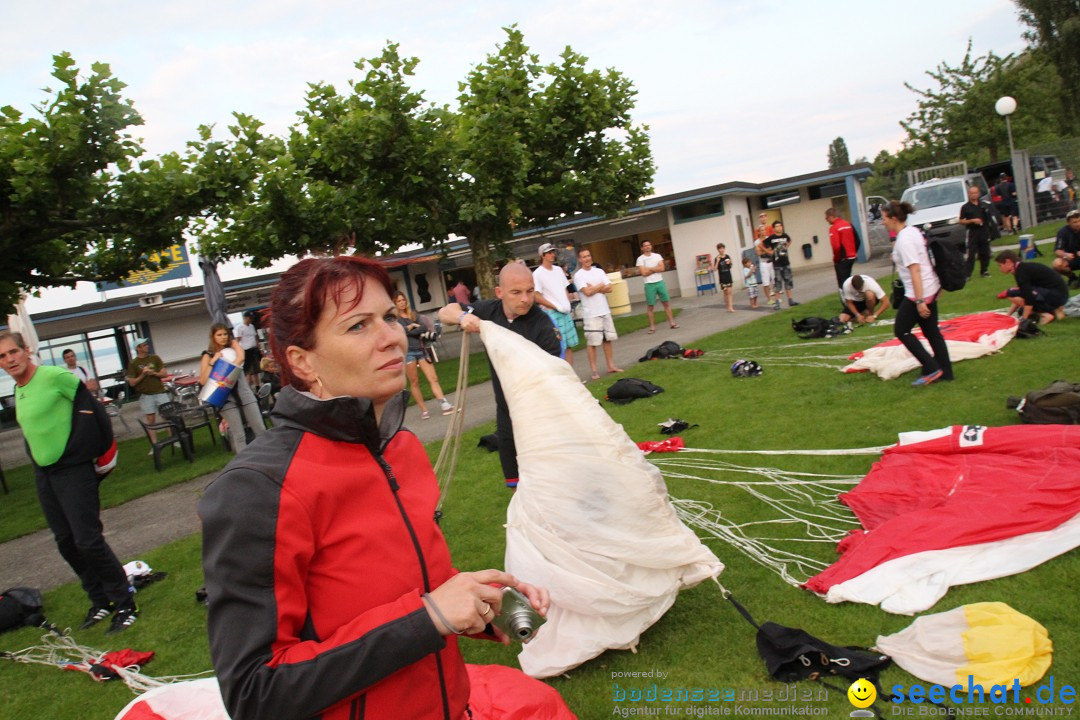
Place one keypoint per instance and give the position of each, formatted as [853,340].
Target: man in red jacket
[842,239]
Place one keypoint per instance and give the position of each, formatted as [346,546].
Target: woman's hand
[467,602]
[923,309]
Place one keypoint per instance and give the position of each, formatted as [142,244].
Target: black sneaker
[96,614]
[124,618]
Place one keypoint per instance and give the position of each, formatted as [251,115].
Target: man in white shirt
[652,269]
[249,341]
[552,297]
[592,285]
[864,300]
[88,380]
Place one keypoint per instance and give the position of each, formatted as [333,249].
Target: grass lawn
[701,641]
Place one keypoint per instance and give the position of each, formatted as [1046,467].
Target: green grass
[133,477]
[701,641]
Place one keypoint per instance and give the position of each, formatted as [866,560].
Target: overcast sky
[731,90]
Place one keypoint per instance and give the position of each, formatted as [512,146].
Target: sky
[730,90]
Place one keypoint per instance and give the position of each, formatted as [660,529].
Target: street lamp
[1006,106]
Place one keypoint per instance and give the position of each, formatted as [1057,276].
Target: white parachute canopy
[591,519]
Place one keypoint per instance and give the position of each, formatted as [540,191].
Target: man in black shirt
[977,218]
[1038,288]
[515,309]
[1067,248]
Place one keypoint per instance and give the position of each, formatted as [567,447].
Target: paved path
[168,515]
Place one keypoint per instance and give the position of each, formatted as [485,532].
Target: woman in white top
[921,290]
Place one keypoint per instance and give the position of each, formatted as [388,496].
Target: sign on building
[179,267]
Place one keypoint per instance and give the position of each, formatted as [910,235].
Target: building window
[698,210]
[817,192]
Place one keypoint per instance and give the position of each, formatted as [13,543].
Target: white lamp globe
[1005,106]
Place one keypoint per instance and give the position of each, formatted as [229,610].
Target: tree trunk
[483,242]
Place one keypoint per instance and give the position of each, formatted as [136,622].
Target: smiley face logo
[862,693]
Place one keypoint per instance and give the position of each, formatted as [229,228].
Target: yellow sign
[179,267]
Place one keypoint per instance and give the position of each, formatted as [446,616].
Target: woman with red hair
[330,586]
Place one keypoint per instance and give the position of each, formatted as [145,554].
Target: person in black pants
[67,484]
[977,218]
[921,290]
[515,309]
[1039,290]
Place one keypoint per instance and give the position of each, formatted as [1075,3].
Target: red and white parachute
[968,337]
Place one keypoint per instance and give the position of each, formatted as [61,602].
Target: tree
[535,143]
[1055,29]
[77,201]
[365,172]
[838,154]
[956,120]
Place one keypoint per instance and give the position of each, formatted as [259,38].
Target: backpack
[858,240]
[663,351]
[20,606]
[1028,328]
[818,327]
[948,264]
[1056,404]
[629,389]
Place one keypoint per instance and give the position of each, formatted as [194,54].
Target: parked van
[937,204]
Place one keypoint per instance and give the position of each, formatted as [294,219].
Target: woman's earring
[322,390]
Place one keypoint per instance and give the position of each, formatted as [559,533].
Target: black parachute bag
[792,654]
[1056,404]
[664,351]
[948,264]
[20,607]
[627,390]
[1028,328]
[810,327]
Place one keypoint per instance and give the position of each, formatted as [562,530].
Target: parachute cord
[58,649]
[839,451]
[446,462]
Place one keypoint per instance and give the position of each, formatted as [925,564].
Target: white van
[937,204]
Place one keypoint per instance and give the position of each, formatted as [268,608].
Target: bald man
[514,308]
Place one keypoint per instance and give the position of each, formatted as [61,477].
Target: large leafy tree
[1054,28]
[956,119]
[78,202]
[536,142]
[367,172]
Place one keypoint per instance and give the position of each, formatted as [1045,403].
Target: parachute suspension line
[446,462]
[806,500]
[702,516]
[59,649]
[838,451]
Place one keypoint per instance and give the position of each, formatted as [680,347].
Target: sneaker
[447,408]
[985,274]
[124,618]
[927,379]
[776,305]
[96,614]
[793,303]
[425,415]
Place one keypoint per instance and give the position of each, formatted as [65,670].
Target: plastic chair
[113,408]
[189,419]
[175,436]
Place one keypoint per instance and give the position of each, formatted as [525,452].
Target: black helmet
[745,368]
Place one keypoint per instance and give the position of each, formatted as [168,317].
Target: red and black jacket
[318,541]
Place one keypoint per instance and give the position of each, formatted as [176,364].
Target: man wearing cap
[515,309]
[144,374]
[551,294]
[842,239]
[1067,248]
[248,338]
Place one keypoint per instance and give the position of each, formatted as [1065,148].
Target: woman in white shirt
[921,290]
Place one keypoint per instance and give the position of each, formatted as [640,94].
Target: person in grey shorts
[593,285]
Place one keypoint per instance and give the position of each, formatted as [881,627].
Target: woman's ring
[488,610]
